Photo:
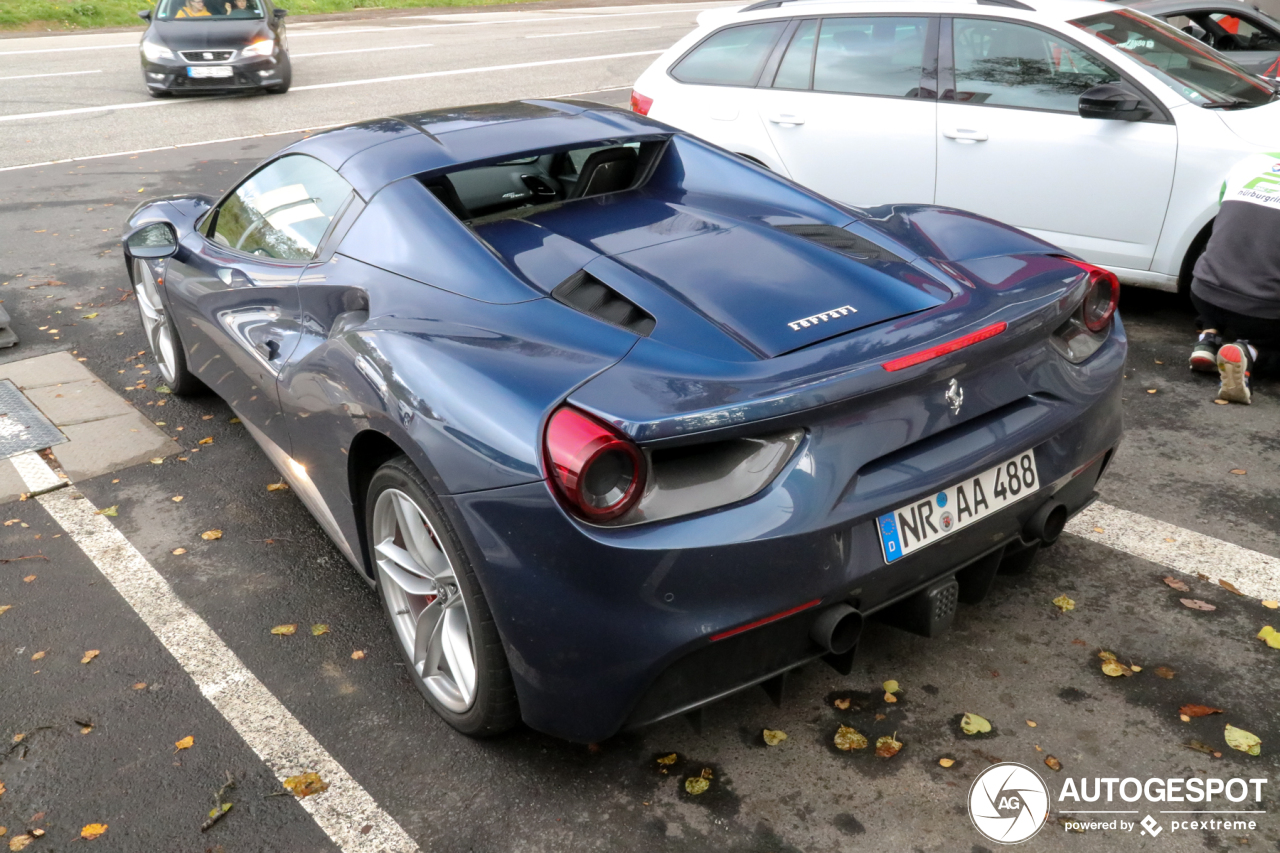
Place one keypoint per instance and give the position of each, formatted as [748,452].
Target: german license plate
[924,522]
[210,71]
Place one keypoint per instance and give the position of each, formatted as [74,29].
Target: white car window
[282,211]
[1005,64]
[870,56]
[796,68]
[732,57]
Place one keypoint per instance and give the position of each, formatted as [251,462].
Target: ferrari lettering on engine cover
[842,311]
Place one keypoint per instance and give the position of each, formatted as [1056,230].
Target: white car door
[1012,146]
[852,109]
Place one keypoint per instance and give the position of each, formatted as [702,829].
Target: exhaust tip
[1048,523]
[837,629]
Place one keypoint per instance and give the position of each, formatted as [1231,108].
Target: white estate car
[1094,127]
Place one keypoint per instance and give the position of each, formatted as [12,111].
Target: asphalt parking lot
[98,739]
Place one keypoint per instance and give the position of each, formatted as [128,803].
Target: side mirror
[1112,101]
[151,242]
[279,13]
[145,14]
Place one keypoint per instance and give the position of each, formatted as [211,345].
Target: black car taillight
[1102,297]
[598,471]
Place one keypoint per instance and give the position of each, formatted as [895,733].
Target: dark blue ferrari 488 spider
[619,423]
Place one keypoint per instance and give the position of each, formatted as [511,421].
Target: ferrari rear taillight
[640,104]
[1101,299]
[949,347]
[598,471]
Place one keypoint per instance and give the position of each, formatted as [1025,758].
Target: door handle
[965,137]
[786,119]
[269,349]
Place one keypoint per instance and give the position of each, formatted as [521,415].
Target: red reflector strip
[944,349]
[765,621]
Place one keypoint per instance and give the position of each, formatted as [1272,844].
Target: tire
[478,703]
[162,333]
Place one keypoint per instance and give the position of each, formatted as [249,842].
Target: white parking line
[356,50]
[1193,553]
[364,82]
[590,32]
[4,53]
[59,74]
[265,724]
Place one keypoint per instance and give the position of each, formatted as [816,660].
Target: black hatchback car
[215,46]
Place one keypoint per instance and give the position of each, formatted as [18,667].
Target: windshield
[210,10]
[1196,72]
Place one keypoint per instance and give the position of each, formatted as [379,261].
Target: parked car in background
[1094,127]
[1244,33]
[215,46]
[620,423]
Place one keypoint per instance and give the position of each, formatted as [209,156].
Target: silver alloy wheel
[155,322]
[427,608]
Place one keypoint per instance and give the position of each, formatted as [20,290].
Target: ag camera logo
[1008,802]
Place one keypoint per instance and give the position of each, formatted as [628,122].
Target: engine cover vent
[591,296]
[844,242]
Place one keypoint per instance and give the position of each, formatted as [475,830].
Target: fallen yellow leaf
[1242,740]
[891,686]
[1064,604]
[157,460]
[358,654]
[773,737]
[668,759]
[92,831]
[141,685]
[890,698]
[888,746]
[842,704]
[1272,604]
[179,551]
[317,630]
[186,742]
[848,738]
[20,842]
[1270,636]
[110,512]
[37,655]
[90,655]
[206,440]
[89,316]
[5,607]
[946,762]
[1115,669]
[1052,763]
[176,499]
[276,487]
[210,535]
[1239,472]
[28,578]
[972,724]
[1031,723]
[285,630]
[696,785]
[306,784]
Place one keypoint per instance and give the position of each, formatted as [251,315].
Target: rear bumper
[607,629]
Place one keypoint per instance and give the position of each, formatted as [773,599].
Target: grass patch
[86,14]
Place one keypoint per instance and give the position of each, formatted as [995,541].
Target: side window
[282,211]
[797,64]
[1011,65]
[1242,34]
[731,57]
[870,56]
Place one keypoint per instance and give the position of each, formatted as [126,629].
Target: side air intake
[842,241]
[586,293]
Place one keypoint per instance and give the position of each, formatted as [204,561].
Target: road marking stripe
[1192,553]
[358,50]
[252,136]
[343,83]
[5,53]
[59,74]
[590,32]
[282,742]
[452,71]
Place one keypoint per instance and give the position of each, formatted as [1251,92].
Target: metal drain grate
[22,427]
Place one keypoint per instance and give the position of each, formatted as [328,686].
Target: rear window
[517,186]
[731,57]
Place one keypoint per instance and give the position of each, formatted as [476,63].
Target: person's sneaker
[1204,355]
[1234,366]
